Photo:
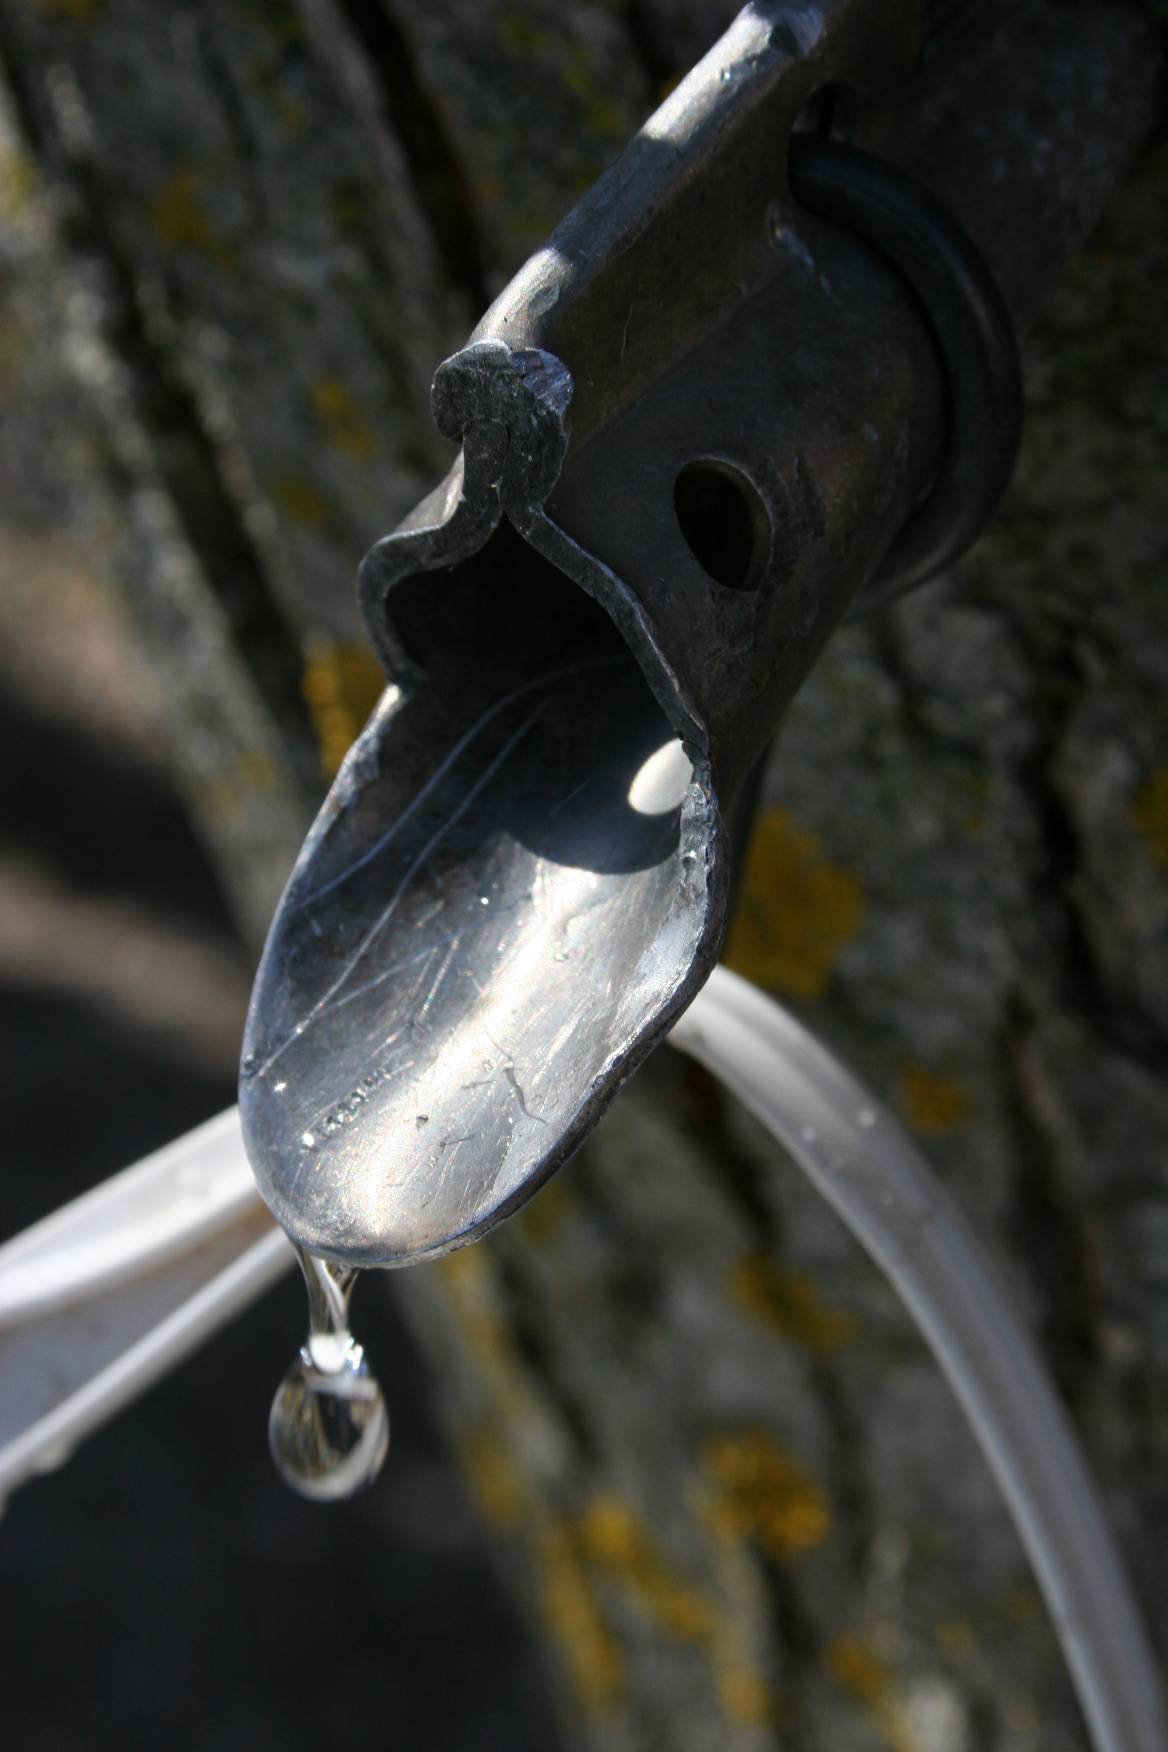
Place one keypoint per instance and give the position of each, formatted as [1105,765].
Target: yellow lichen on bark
[859,1671]
[796,909]
[19,181]
[601,116]
[341,685]
[956,1640]
[789,1303]
[470,1288]
[1149,817]
[763,1496]
[180,220]
[613,1536]
[975,792]
[746,1697]
[494,1478]
[589,1649]
[544,1219]
[341,421]
[301,500]
[934,1103]
[73,11]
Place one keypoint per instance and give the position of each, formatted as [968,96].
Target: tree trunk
[728,1481]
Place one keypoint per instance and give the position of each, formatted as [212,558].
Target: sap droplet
[308,1139]
[329,1429]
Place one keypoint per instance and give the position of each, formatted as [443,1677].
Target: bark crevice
[441,183]
[181,450]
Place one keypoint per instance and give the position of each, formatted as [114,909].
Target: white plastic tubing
[866,1169]
[140,1227]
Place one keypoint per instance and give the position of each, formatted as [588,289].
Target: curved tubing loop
[855,1154]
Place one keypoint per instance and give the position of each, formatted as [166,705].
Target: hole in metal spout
[723,519]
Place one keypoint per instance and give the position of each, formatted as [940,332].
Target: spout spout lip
[448,1002]
[495,916]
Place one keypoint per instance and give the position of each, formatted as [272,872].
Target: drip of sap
[328,1429]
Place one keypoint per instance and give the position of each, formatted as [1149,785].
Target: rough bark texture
[724,1475]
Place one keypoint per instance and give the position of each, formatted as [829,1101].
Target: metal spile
[691,429]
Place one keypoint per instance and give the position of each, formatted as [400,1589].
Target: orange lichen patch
[495,1480]
[614,1537]
[229,793]
[1149,817]
[763,1495]
[544,1218]
[1020,1608]
[266,81]
[601,115]
[349,209]
[852,1664]
[590,1650]
[956,1640]
[933,1102]
[298,497]
[278,19]
[341,685]
[19,180]
[1022,1720]
[796,909]
[746,1697]
[975,793]
[860,1672]
[73,11]
[521,36]
[525,226]
[789,1303]
[180,220]
[343,425]
[471,1293]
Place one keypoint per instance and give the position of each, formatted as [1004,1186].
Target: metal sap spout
[665,499]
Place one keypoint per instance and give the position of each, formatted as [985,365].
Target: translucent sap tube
[859,1159]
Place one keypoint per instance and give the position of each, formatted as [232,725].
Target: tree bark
[724,1475]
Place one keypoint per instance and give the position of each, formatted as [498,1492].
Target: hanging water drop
[328,1430]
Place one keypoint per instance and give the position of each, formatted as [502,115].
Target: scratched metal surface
[470,940]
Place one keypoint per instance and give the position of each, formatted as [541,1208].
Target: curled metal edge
[510,409]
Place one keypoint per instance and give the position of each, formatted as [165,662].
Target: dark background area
[164,1588]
